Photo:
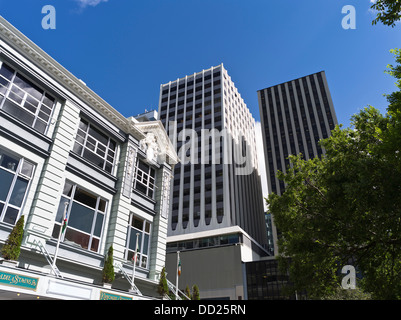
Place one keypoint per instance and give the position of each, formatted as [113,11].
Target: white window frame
[41,104]
[70,199]
[97,146]
[17,174]
[141,176]
[142,258]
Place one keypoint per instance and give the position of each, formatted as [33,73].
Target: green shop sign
[16,280]
[109,296]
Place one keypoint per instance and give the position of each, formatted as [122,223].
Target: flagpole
[177,275]
[60,233]
[135,257]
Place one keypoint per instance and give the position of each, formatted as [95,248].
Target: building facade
[217,183]
[217,190]
[295,115]
[66,153]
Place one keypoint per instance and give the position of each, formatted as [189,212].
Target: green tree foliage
[345,208]
[12,248]
[195,293]
[343,294]
[108,268]
[162,288]
[188,292]
[389,12]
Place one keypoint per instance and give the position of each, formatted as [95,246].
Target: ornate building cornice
[19,42]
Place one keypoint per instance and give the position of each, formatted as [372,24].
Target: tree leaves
[346,206]
[388,12]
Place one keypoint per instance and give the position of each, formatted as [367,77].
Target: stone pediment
[156,143]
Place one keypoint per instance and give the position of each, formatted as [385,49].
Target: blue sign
[16,280]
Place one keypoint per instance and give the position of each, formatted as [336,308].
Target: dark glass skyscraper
[295,115]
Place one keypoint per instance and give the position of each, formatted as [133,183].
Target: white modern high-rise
[216,199]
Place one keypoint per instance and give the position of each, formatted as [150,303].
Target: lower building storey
[215,261]
[21,281]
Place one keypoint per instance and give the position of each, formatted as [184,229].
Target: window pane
[11,215]
[45,117]
[102,205]
[6,179]
[18,193]
[112,145]
[67,189]
[145,244]
[27,86]
[3,85]
[95,244]
[108,167]
[29,104]
[132,241]
[16,94]
[18,113]
[137,223]
[144,261]
[48,101]
[81,217]
[99,136]
[40,126]
[77,148]
[85,197]
[77,237]
[99,224]
[6,72]
[143,166]
[141,187]
[93,158]
[27,169]
[8,162]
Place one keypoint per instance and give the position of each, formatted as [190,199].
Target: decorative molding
[129,171]
[165,194]
[157,138]
[41,59]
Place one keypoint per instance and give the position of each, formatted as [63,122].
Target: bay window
[85,214]
[95,146]
[144,181]
[24,100]
[15,177]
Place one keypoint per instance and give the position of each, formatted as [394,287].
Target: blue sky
[124,49]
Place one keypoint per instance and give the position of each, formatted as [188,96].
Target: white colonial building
[65,151]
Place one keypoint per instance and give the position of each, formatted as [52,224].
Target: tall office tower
[217,196]
[295,115]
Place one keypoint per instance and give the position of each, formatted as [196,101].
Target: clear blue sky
[124,49]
